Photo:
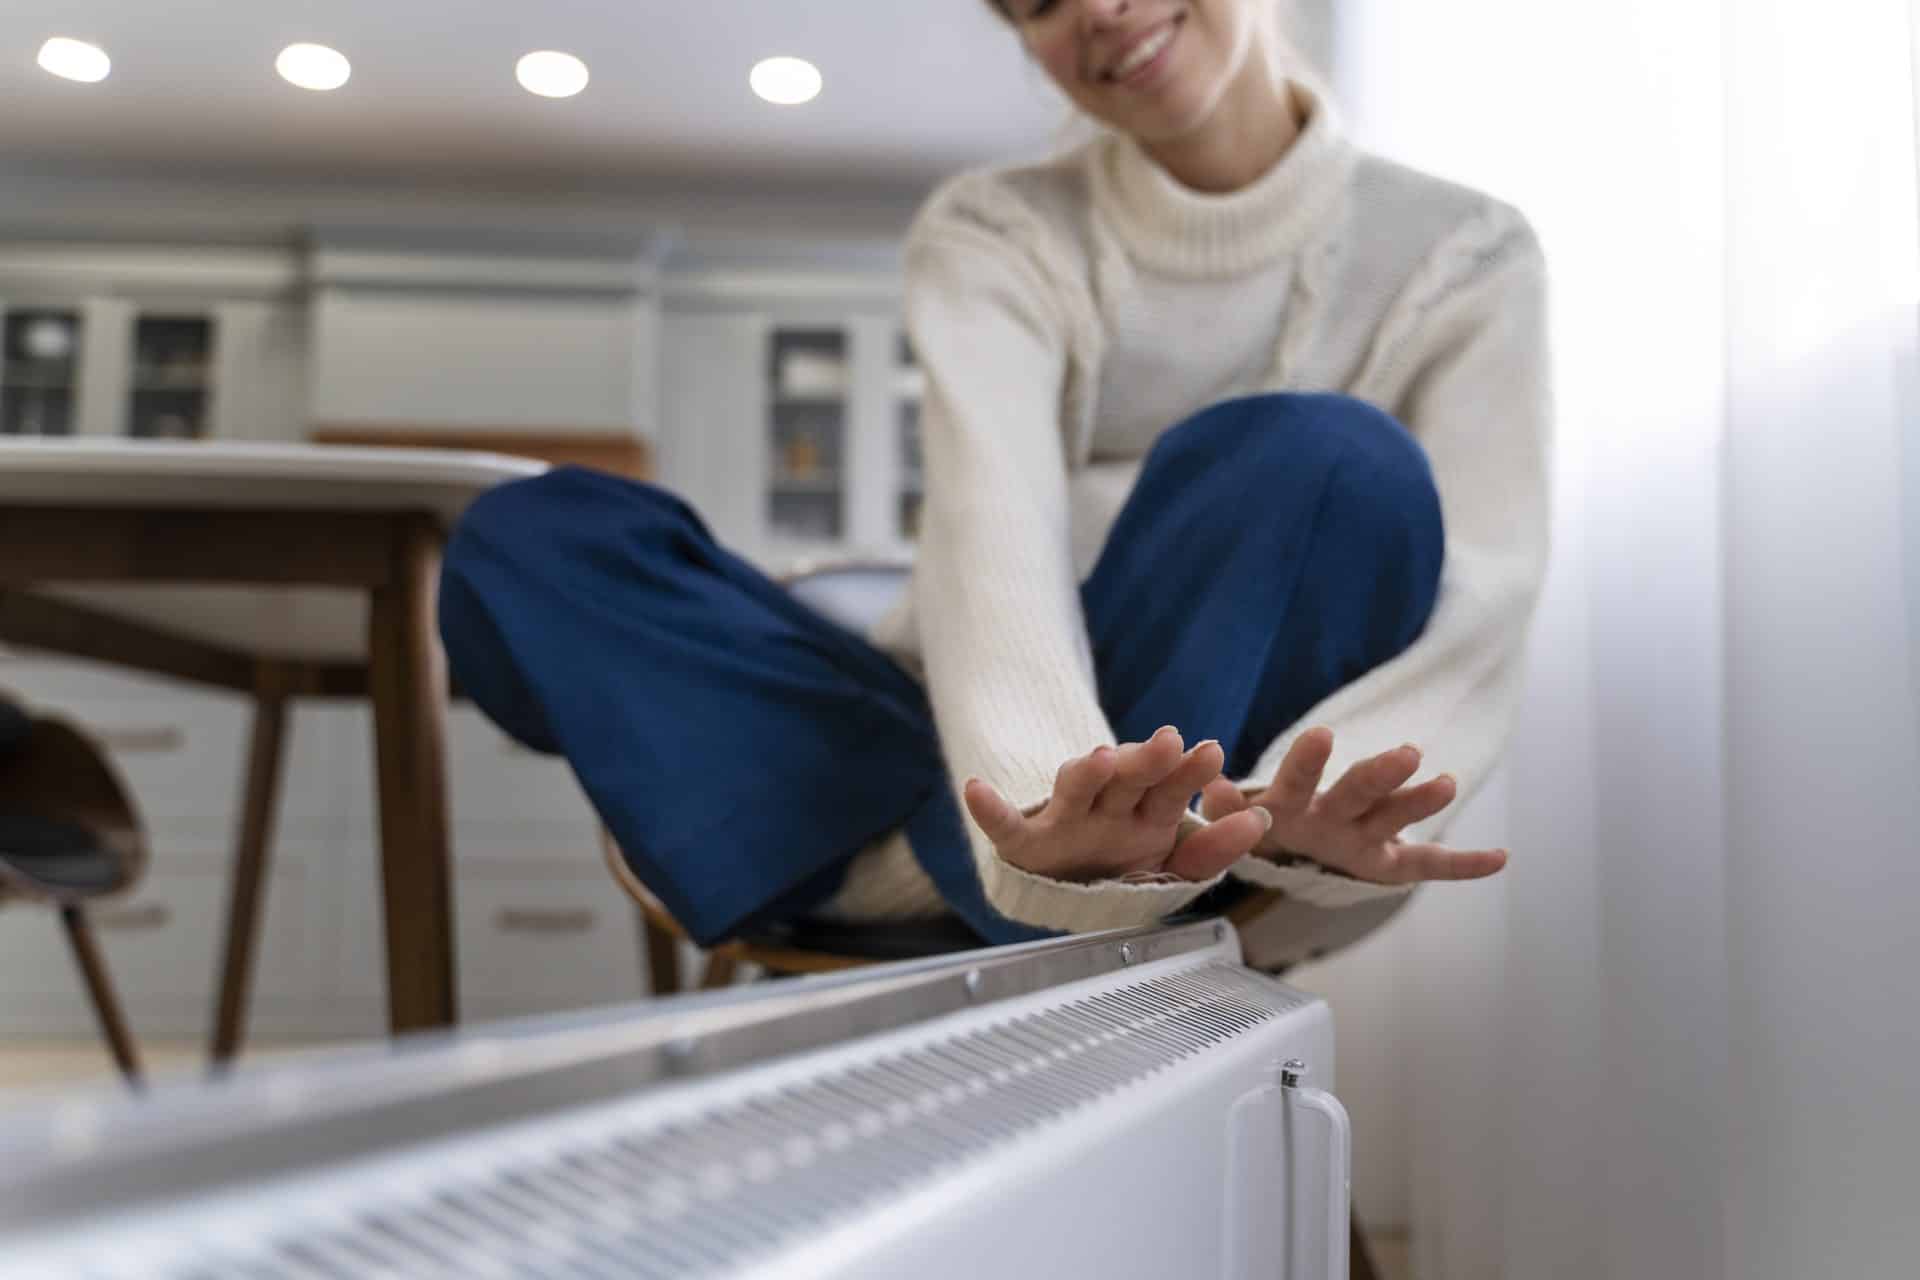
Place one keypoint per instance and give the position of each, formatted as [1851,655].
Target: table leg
[407,675]
[251,852]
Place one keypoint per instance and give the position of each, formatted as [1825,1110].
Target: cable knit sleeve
[1468,349]
[1009,667]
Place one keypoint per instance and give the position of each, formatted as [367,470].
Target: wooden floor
[29,1068]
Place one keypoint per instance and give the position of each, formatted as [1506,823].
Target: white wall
[1823,746]
[1565,1026]
[1678,1037]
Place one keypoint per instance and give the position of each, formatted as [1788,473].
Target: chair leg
[721,967]
[663,956]
[251,852]
[106,1005]
[1359,1261]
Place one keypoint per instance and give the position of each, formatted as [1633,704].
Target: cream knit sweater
[1066,313]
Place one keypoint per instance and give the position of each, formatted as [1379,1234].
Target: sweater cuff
[1308,881]
[1082,908]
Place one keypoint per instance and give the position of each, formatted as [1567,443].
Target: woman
[1235,438]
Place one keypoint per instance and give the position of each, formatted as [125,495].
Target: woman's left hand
[1354,826]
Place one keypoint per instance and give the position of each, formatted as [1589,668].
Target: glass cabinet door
[172,379]
[40,373]
[909,385]
[808,398]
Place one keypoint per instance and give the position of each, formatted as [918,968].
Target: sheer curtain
[1681,1036]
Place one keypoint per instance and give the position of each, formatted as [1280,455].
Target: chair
[68,835]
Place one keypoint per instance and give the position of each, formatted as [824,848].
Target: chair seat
[16,726]
[68,830]
[56,858]
[869,940]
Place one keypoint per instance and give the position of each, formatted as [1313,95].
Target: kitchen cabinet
[151,343]
[794,428]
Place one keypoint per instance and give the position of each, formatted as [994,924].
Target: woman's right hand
[1117,812]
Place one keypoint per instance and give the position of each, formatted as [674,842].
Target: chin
[1170,121]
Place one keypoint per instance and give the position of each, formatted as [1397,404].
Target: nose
[1102,12]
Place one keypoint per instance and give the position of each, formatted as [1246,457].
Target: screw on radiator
[973,984]
[1126,953]
[1290,1072]
[1219,930]
[680,1052]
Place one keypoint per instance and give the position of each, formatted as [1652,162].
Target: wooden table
[190,560]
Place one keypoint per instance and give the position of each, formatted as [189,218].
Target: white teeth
[1142,54]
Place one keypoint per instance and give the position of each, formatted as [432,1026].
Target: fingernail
[1102,753]
[1210,742]
[1266,817]
[1165,728]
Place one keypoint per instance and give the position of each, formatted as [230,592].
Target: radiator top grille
[708,1191]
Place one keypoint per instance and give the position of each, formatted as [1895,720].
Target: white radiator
[1112,1106]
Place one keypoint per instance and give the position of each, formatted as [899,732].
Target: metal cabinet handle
[536,920]
[145,916]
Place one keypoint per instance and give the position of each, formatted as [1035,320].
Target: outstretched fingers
[1220,798]
[1080,781]
[1298,778]
[1218,845]
[1168,799]
[1369,782]
[1138,768]
[1411,863]
[1410,805]
[999,819]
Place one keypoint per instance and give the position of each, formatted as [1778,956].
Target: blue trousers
[741,748]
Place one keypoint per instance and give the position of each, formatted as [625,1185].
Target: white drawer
[185,759]
[530,937]
[535,943]
[163,941]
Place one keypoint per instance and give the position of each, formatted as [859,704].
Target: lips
[1141,50]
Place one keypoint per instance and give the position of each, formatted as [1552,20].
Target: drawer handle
[152,915]
[142,741]
[531,920]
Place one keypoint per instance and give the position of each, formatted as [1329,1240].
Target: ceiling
[914,89]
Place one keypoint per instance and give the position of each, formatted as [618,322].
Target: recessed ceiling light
[313,66]
[75,60]
[551,74]
[786,81]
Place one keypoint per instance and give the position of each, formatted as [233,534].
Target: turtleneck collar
[1175,230]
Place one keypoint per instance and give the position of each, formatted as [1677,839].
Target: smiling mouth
[1143,52]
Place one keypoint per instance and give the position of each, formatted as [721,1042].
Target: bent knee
[545,512]
[1279,439]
